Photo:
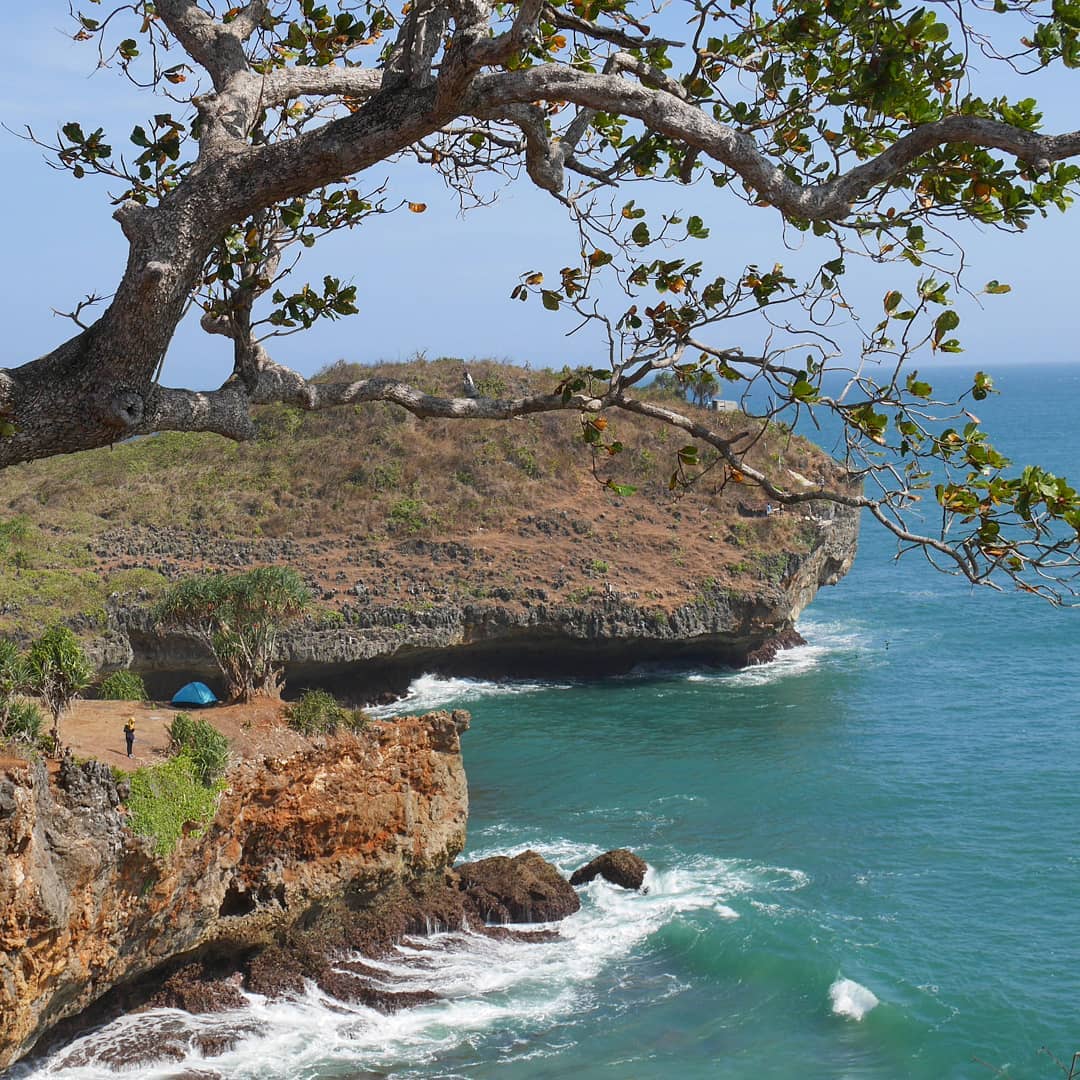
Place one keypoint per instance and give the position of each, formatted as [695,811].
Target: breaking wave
[429,692]
[851,999]
[510,996]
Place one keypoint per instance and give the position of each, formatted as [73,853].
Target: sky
[438,283]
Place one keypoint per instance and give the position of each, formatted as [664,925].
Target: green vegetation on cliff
[320,713]
[122,686]
[238,617]
[168,798]
[207,748]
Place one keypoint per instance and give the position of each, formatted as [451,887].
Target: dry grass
[370,471]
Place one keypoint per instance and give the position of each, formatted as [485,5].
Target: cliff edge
[485,547]
[526,602]
[86,907]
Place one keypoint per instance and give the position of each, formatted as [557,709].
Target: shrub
[12,676]
[492,386]
[56,670]
[207,748]
[22,722]
[122,686]
[320,713]
[412,515]
[166,797]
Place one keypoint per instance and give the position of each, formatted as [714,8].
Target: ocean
[863,856]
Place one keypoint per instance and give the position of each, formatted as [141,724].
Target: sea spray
[491,989]
[851,999]
[429,692]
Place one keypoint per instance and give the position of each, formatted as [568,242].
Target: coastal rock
[195,991]
[522,889]
[445,621]
[620,867]
[86,907]
[346,986]
[768,650]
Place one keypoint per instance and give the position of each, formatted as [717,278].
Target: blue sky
[439,282]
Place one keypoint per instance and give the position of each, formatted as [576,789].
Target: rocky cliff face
[86,907]
[397,621]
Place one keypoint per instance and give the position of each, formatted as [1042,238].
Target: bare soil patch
[95,729]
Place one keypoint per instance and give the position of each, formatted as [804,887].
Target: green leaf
[982,386]
[550,299]
[625,490]
[996,288]
[695,227]
[919,389]
[946,321]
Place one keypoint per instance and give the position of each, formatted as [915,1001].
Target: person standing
[129,734]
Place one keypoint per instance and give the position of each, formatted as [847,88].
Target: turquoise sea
[863,857]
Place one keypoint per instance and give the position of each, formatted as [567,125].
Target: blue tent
[195,693]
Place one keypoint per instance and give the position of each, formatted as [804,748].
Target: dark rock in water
[367,971]
[385,697]
[522,937]
[620,867]
[159,1041]
[526,888]
[352,988]
[767,651]
[216,1043]
[275,972]
[192,990]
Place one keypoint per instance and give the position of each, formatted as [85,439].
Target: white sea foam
[435,691]
[825,640]
[851,999]
[506,990]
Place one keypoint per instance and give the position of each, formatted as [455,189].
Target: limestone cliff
[85,906]
[471,608]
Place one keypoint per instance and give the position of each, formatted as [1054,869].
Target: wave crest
[851,999]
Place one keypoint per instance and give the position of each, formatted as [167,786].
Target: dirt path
[95,729]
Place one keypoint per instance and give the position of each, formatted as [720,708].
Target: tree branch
[471,49]
[831,200]
[565,20]
[284,84]
[248,21]
[420,38]
[226,411]
[809,493]
[217,47]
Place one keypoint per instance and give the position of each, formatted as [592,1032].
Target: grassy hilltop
[339,492]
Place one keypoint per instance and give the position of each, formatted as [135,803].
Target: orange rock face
[86,906]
